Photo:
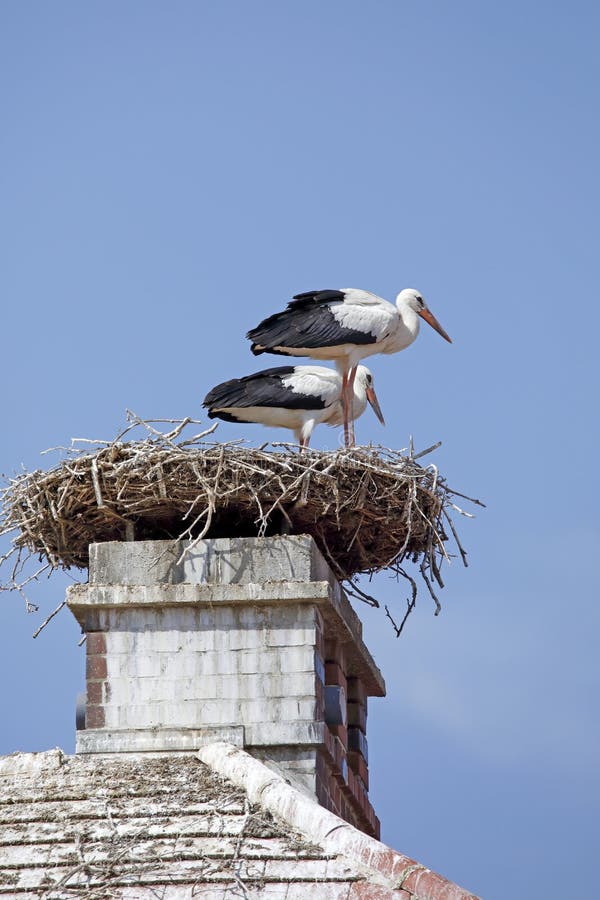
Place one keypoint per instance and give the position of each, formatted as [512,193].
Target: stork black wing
[308,322]
[314,298]
[264,388]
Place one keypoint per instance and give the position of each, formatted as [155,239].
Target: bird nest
[368,508]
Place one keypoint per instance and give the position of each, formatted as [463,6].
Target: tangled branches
[368,508]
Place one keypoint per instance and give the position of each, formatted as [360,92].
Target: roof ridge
[31,763]
[381,864]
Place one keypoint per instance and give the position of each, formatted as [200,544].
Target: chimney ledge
[113,596]
[156,740]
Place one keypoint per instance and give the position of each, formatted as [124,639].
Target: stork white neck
[407,303]
[359,401]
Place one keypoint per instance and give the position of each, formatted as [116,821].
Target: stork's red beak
[431,320]
[372,398]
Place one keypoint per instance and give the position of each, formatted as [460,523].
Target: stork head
[413,299]
[365,380]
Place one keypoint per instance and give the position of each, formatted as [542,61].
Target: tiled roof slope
[173,827]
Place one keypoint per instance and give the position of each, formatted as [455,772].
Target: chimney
[247,640]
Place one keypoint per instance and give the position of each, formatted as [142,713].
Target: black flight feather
[263,388]
[306,322]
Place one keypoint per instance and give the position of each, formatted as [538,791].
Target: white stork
[345,326]
[295,397]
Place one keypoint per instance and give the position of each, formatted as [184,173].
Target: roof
[216,825]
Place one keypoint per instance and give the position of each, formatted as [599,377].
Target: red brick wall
[96,684]
[342,773]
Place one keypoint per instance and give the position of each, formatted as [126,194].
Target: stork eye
[369,379]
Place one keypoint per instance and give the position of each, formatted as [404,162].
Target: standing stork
[345,326]
[295,397]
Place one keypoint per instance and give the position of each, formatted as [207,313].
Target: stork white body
[345,326]
[294,397]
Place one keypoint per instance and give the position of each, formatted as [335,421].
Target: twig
[49,618]
[415,456]
[410,604]
[96,482]
[462,552]
[464,496]
[353,589]
[438,606]
[198,437]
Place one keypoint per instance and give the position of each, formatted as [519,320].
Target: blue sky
[173,172]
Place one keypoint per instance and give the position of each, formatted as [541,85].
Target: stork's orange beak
[372,398]
[431,320]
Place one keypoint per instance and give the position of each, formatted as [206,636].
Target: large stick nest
[368,508]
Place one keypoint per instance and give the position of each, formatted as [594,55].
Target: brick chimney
[247,640]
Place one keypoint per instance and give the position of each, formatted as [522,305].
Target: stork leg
[345,409]
[349,399]
[304,435]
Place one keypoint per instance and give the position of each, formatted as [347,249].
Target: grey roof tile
[170,827]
